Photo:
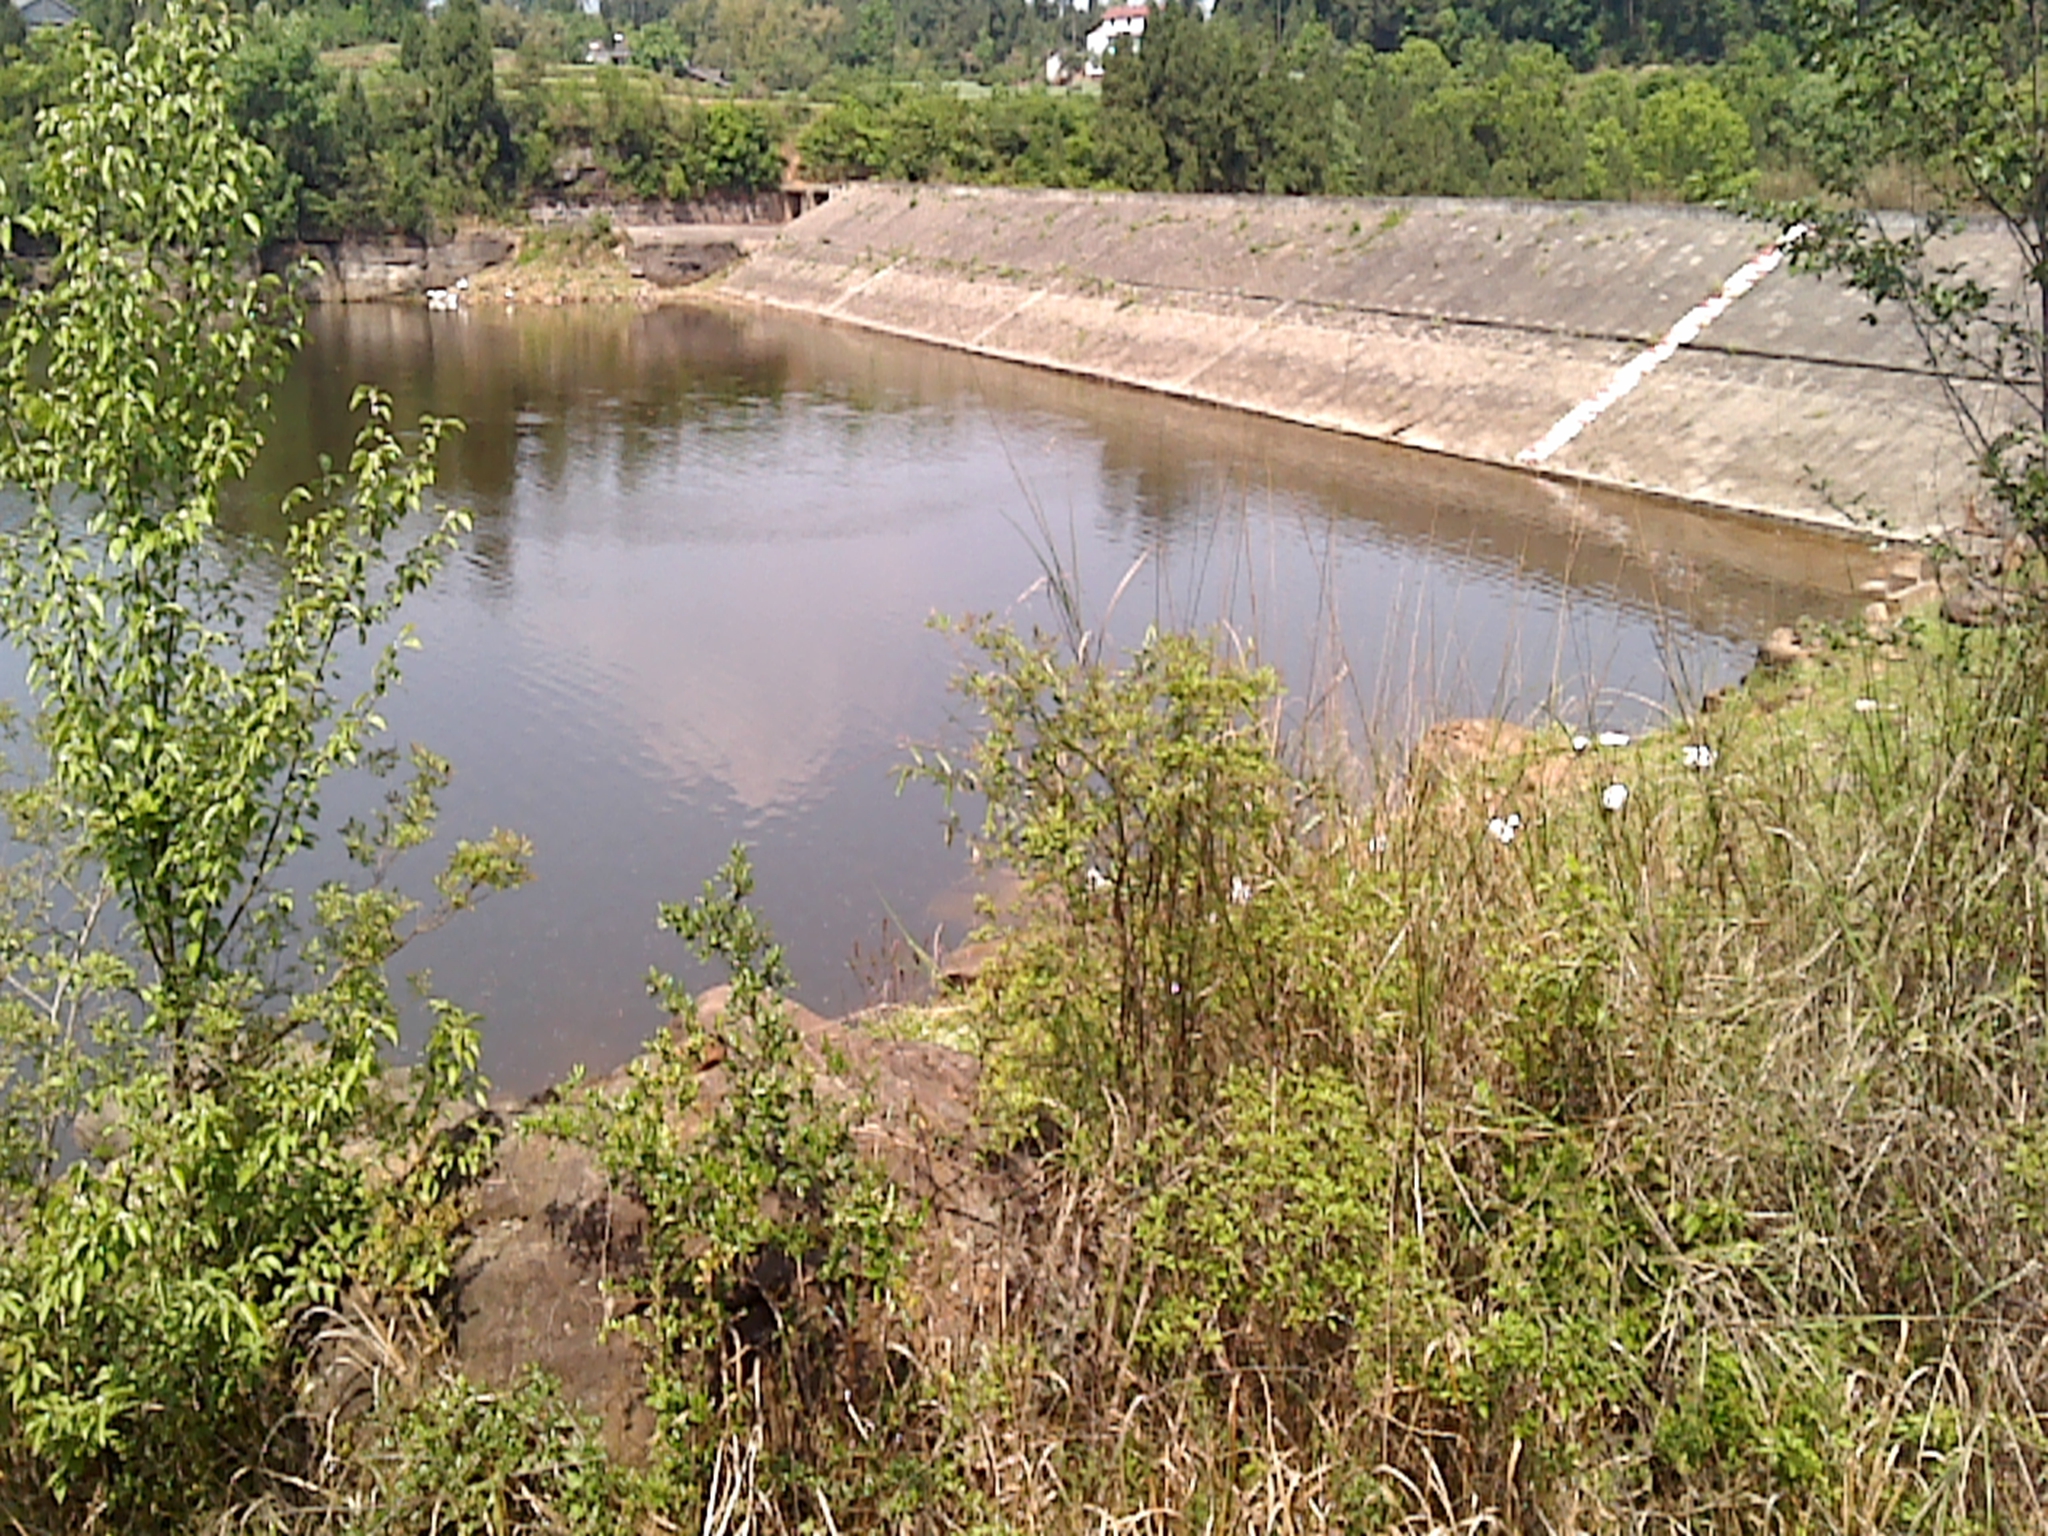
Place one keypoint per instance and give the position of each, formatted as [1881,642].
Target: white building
[1121,27]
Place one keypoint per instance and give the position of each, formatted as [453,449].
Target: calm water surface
[694,608]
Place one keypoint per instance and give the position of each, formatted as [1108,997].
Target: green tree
[472,139]
[1789,108]
[230,1042]
[660,47]
[732,147]
[1690,141]
[28,76]
[1953,87]
[1180,112]
[872,42]
[1522,123]
[1572,27]
[284,99]
[1608,106]
[1415,123]
[849,140]
[1306,141]
[1043,138]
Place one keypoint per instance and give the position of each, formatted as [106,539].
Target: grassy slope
[1671,1163]
[1674,1167]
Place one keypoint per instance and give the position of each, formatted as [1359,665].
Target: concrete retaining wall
[1468,328]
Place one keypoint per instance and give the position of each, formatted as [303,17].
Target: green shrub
[463,1460]
[1691,142]
[1267,1235]
[766,1234]
[1148,802]
[205,1142]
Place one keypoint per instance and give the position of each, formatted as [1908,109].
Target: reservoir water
[694,610]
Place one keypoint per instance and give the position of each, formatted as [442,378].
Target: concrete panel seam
[862,286]
[993,326]
[1237,343]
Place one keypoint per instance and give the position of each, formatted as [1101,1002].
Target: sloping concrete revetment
[1468,328]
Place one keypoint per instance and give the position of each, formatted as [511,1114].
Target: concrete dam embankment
[1665,350]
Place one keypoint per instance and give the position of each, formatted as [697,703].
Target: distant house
[617,51]
[37,14]
[1121,27]
[704,75]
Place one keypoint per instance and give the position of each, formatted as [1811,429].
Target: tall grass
[1474,1155]
[1671,1167]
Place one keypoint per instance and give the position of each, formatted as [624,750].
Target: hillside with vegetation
[1526,1133]
[381,117]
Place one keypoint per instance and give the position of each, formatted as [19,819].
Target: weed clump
[766,1235]
[1670,1160]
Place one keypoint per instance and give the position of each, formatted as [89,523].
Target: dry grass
[1707,1185]
[1675,1168]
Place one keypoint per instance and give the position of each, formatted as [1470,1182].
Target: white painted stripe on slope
[1686,331]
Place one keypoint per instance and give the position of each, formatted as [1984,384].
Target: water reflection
[693,605]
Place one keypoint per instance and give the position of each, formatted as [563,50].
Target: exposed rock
[588,195]
[674,263]
[1974,605]
[1978,549]
[913,1090]
[352,271]
[918,1104]
[1454,744]
[962,966]
[549,1242]
[546,1239]
[578,163]
[1770,705]
[1909,568]
[2014,555]
[1781,648]
[1551,776]
[1917,594]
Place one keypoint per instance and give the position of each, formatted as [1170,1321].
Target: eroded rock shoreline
[663,245]
[546,1264]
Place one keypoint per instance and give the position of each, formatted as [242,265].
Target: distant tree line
[1224,106]
[384,116]
[427,136]
[803,44]
[1587,32]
